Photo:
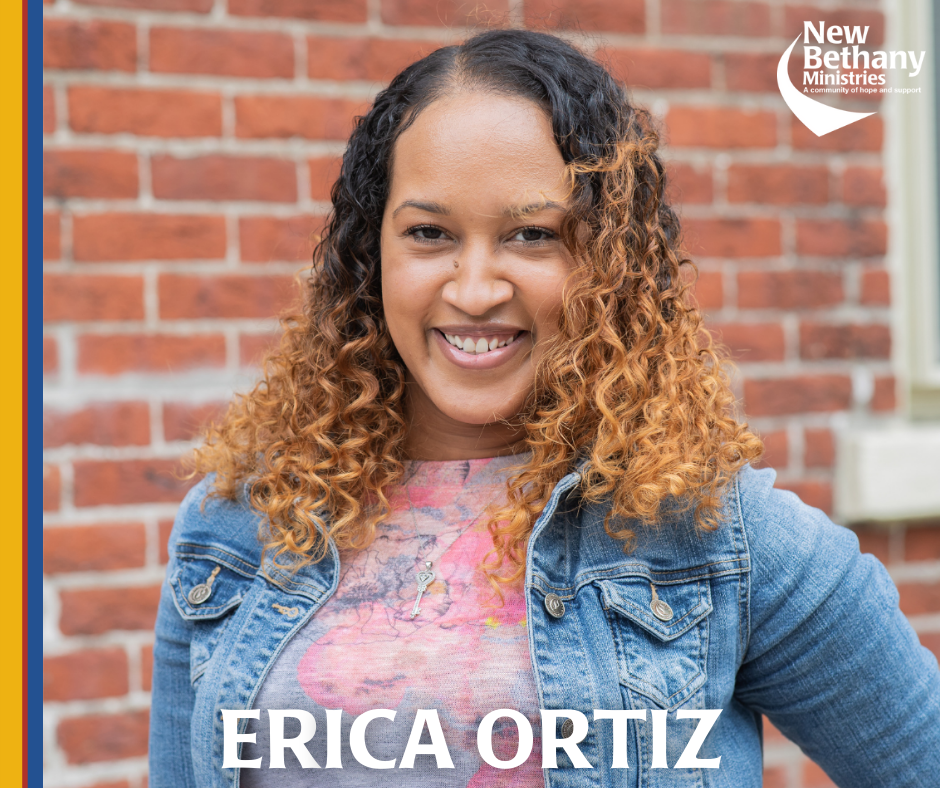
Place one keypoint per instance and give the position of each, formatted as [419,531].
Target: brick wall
[190,145]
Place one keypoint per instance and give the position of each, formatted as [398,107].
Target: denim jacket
[775,612]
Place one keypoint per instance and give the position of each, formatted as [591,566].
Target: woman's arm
[831,660]
[172,700]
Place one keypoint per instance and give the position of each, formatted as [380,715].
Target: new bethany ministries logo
[849,71]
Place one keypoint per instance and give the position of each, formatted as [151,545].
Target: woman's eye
[426,233]
[533,235]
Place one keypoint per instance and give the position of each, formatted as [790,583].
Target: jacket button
[554,605]
[567,728]
[661,610]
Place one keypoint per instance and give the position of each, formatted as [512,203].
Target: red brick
[621,16]
[849,341]
[922,542]
[931,641]
[252,348]
[864,135]
[146,668]
[306,117]
[776,449]
[164,527]
[265,238]
[89,173]
[51,236]
[89,45]
[733,237]
[48,110]
[864,186]
[152,113]
[687,183]
[183,421]
[217,177]
[374,59]
[196,6]
[802,289]
[451,13]
[778,184]
[771,734]
[752,341]
[104,737]
[229,296]
[102,424]
[796,15]
[708,291]
[325,10]
[721,127]
[812,493]
[919,598]
[92,548]
[113,482]
[50,356]
[83,675]
[800,394]
[222,52]
[820,448]
[875,287]
[323,174]
[51,488]
[642,67]
[813,776]
[839,238]
[715,18]
[115,354]
[81,297]
[884,397]
[109,237]
[752,72]
[875,540]
[775,777]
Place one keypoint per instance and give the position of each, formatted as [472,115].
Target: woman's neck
[433,435]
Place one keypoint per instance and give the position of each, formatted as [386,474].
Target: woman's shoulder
[208,523]
[799,558]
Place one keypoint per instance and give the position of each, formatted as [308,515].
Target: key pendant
[425,578]
[200,593]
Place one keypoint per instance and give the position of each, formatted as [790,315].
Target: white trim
[912,178]
[888,474]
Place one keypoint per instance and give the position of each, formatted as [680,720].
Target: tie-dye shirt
[463,654]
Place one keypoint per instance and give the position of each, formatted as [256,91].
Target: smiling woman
[493,465]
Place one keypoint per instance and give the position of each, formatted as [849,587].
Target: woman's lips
[482,360]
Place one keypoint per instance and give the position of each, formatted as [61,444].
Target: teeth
[475,346]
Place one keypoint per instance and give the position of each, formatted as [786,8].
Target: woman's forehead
[481,147]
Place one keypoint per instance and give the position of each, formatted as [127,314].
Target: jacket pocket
[661,635]
[206,590]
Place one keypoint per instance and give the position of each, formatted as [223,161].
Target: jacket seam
[744,599]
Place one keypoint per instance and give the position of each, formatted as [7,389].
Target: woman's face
[473,265]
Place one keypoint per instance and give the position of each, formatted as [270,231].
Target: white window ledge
[889,473]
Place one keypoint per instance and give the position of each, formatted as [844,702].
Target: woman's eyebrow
[430,207]
[519,211]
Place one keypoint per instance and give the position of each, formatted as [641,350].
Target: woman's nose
[477,284]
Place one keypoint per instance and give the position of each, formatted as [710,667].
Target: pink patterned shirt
[463,654]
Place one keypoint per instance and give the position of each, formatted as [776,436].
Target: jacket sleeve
[830,658]
[173,696]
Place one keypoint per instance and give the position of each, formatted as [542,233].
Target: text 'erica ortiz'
[573,731]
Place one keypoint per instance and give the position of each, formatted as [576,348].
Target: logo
[851,71]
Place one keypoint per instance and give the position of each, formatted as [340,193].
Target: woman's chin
[470,409]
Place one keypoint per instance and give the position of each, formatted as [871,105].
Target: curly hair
[631,386]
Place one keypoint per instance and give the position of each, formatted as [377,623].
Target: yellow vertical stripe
[11,399]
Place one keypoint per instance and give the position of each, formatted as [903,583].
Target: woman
[493,466]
